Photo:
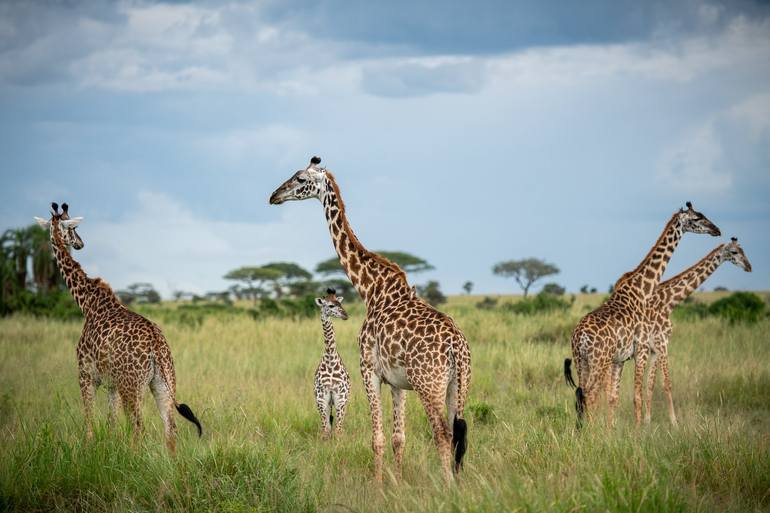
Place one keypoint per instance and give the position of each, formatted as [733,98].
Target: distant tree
[593,290]
[408,262]
[431,292]
[468,287]
[553,288]
[584,289]
[525,272]
[720,288]
[343,287]
[138,293]
[488,303]
[611,288]
[255,279]
[290,273]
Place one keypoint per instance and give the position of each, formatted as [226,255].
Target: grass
[250,383]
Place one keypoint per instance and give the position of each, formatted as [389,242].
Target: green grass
[250,383]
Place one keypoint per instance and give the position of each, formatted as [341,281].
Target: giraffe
[404,342]
[332,382]
[118,348]
[659,307]
[606,337]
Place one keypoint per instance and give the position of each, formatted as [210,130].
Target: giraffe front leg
[372,387]
[132,404]
[398,439]
[613,391]
[323,402]
[341,407]
[640,361]
[667,388]
[650,386]
[87,391]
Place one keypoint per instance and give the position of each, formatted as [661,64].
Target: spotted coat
[404,342]
[667,295]
[118,348]
[607,337]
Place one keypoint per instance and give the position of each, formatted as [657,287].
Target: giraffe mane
[638,268]
[674,279]
[354,239]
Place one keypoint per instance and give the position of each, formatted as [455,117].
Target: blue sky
[466,133]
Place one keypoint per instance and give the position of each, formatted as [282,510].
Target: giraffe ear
[71,223]
[319,301]
[42,222]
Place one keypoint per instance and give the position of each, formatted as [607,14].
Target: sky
[467,133]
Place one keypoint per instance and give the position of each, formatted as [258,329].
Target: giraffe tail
[187,413]
[580,406]
[331,420]
[568,372]
[459,441]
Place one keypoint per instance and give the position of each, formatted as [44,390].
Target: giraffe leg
[165,402]
[613,391]
[640,361]
[87,391]
[372,386]
[650,386]
[113,401]
[667,387]
[323,403]
[399,428]
[132,403]
[442,434]
[341,408]
[596,376]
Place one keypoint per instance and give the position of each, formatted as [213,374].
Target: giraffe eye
[301,180]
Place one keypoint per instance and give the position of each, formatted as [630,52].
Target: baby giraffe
[332,382]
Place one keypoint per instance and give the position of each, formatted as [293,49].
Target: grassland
[250,383]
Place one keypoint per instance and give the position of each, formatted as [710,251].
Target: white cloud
[175,247]
[754,112]
[693,164]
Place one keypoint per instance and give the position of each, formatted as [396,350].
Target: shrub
[488,303]
[739,307]
[554,289]
[539,304]
[482,412]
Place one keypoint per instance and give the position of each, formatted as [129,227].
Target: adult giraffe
[404,342]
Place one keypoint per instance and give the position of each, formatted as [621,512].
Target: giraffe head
[305,183]
[733,252]
[331,305]
[67,226]
[693,221]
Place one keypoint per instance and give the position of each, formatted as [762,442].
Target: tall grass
[250,383]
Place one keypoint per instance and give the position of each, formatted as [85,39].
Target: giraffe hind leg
[650,386]
[165,401]
[87,392]
[398,439]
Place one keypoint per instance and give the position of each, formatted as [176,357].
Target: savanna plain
[250,381]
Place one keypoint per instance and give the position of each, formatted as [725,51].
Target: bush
[539,304]
[739,307]
[488,303]
[554,289]
[690,310]
[431,292]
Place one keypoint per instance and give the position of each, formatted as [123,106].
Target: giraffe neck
[330,344]
[647,274]
[373,276]
[675,290]
[84,290]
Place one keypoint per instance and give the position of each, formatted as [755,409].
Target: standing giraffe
[605,338]
[332,382]
[404,342]
[669,294]
[117,347]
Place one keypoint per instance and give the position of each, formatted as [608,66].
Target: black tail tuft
[331,420]
[568,372]
[459,442]
[187,413]
[580,406]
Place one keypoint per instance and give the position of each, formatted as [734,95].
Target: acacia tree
[525,272]
[254,277]
[406,261]
[468,287]
[291,274]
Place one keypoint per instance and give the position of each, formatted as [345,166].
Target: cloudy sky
[464,132]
